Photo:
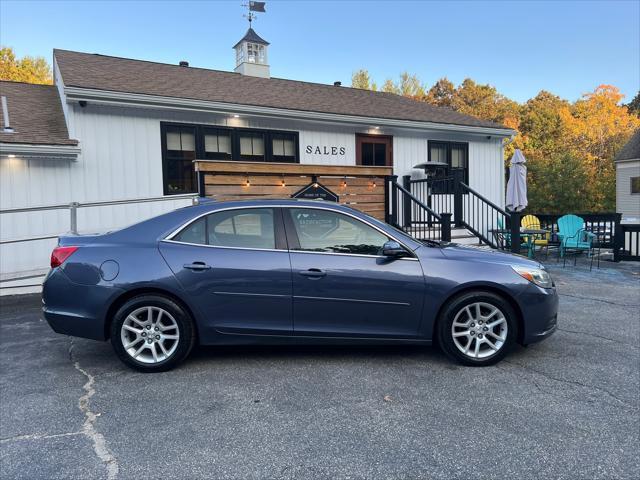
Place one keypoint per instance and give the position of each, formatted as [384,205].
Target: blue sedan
[290,272]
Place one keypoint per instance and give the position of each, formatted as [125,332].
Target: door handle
[196,266]
[313,273]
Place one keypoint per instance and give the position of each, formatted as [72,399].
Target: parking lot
[565,408]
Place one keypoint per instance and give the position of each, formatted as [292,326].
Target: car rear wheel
[477,328]
[152,333]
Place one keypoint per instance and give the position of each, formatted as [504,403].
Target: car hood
[476,254]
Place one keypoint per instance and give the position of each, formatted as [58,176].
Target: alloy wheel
[150,334]
[479,330]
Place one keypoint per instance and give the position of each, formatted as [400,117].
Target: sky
[565,47]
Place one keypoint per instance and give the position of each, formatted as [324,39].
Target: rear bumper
[540,313]
[74,309]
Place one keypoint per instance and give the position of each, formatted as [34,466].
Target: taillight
[60,254]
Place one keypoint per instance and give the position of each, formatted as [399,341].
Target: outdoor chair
[531,222]
[502,239]
[574,237]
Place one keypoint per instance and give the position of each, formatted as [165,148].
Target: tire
[495,326]
[152,333]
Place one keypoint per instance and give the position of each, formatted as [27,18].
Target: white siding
[121,159]
[627,204]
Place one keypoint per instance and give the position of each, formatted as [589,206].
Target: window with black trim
[179,151]
[252,146]
[217,143]
[284,147]
[455,155]
[635,185]
[183,143]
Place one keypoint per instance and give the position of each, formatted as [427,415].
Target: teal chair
[574,237]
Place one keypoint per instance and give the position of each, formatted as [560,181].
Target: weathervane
[253,7]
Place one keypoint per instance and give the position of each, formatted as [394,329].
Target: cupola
[251,55]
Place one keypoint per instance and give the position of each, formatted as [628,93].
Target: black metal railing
[435,193]
[427,209]
[627,246]
[488,221]
[409,214]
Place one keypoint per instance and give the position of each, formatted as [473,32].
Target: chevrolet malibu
[290,272]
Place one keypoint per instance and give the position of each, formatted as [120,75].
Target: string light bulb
[283,182]
[247,183]
[373,183]
[344,182]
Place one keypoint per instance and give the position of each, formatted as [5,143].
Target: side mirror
[393,249]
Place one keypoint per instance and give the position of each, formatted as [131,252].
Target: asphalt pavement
[567,408]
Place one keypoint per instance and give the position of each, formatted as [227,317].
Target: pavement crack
[595,336]
[573,382]
[39,436]
[633,305]
[88,427]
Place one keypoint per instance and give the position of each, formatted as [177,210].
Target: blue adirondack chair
[573,236]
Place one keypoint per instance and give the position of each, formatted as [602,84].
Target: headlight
[535,275]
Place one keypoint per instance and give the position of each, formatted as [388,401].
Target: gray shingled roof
[631,149]
[252,36]
[35,114]
[136,76]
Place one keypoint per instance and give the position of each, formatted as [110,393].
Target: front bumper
[539,308]
[74,309]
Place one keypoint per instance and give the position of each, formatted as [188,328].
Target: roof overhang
[25,150]
[106,97]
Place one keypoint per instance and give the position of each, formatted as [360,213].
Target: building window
[252,146]
[179,152]
[217,144]
[455,155]
[635,185]
[374,150]
[183,143]
[283,147]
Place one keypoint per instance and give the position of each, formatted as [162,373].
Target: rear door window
[242,228]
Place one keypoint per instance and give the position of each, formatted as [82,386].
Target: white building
[115,129]
[628,180]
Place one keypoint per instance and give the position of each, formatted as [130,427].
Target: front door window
[325,231]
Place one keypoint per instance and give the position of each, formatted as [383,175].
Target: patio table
[530,235]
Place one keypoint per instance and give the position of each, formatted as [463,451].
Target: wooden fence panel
[361,187]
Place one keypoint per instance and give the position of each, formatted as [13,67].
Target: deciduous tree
[26,69]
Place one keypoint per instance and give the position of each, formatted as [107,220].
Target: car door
[342,285]
[234,266]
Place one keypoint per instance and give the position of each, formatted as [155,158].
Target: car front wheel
[152,333]
[477,328]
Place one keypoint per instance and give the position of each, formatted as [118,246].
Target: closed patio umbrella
[517,185]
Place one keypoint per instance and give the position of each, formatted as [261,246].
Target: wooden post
[515,231]
[445,227]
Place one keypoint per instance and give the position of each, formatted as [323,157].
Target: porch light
[11,155]
[236,115]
